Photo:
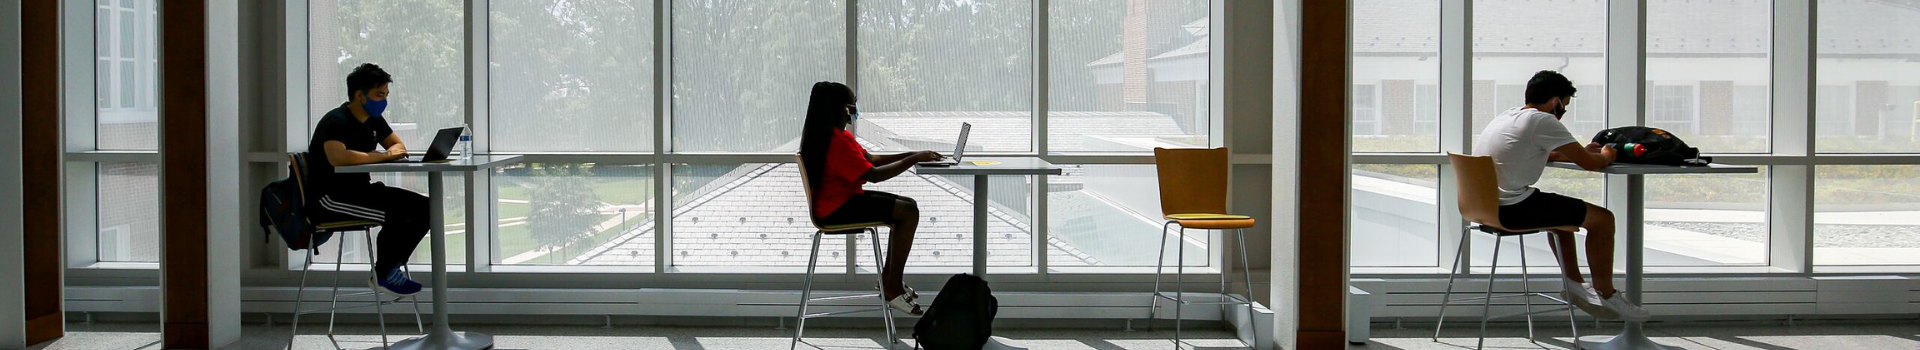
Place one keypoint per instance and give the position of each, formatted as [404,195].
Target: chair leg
[886,312]
[379,308]
[339,253]
[806,293]
[418,324]
[1179,285]
[300,293]
[1486,305]
[1459,255]
[1247,271]
[1526,288]
[1159,264]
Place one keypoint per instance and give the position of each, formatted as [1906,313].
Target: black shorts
[1543,209]
[871,206]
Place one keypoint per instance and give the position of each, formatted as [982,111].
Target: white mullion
[1794,86]
[298,72]
[81,112]
[852,48]
[662,114]
[1626,97]
[1041,109]
[481,217]
[1456,118]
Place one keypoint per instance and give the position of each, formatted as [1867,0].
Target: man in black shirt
[347,135]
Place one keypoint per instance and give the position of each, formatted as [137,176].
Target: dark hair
[1547,85]
[826,114]
[366,77]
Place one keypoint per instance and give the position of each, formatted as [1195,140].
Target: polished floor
[1763,335]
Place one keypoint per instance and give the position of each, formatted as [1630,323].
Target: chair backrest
[1192,181]
[806,186]
[1479,195]
[297,169]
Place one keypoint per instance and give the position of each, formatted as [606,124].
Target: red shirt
[846,163]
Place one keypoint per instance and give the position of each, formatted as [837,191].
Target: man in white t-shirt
[1521,141]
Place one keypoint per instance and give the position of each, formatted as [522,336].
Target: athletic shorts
[871,206]
[1543,209]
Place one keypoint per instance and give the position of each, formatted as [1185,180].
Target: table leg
[441,336]
[981,198]
[1634,336]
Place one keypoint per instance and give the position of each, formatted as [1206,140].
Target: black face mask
[1560,111]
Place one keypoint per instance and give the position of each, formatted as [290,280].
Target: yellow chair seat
[1216,224]
[344,224]
[850,227]
[1202,216]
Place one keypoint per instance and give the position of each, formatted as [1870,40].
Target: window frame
[482,209]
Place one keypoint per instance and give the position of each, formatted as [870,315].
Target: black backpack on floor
[1645,145]
[961,317]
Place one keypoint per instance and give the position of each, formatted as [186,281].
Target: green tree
[563,206]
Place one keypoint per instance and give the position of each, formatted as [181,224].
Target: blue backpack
[283,208]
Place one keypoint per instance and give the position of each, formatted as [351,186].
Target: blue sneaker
[396,282]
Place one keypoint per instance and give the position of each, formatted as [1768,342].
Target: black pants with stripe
[402,215]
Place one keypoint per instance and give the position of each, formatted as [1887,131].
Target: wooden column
[41,171]
[1323,192]
[183,174]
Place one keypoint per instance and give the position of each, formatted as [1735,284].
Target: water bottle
[466,142]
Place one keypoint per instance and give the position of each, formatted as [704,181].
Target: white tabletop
[475,163]
[1004,166]
[1644,169]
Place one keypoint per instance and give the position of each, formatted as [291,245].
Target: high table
[981,169]
[440,336]
[1634,336]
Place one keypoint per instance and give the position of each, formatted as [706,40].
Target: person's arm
[886,171]
[393,145]
[1591,158]
[890,158]
[339,155]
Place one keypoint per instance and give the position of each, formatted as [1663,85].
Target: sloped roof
[757,216]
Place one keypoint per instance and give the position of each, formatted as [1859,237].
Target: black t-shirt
[339,125]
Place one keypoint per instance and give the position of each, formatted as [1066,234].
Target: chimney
[1134,42]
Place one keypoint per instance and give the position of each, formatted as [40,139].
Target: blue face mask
[375,108]
[854,113]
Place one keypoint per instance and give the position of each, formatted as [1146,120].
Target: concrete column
[13,316]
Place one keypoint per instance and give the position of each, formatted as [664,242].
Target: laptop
[959,149]
[437,151]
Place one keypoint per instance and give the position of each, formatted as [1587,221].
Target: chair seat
[850,227]
[1206,216]
[351,224]
[1216,224]
[1504,232]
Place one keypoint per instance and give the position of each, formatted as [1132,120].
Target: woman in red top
[837,167]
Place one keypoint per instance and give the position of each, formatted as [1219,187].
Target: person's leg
[405,226]
[1569,257]
[905,220]
[1599,225]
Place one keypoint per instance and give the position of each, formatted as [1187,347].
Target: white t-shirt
[1520,140]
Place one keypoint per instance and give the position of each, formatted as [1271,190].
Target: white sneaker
[1585,298]
[1627,310]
